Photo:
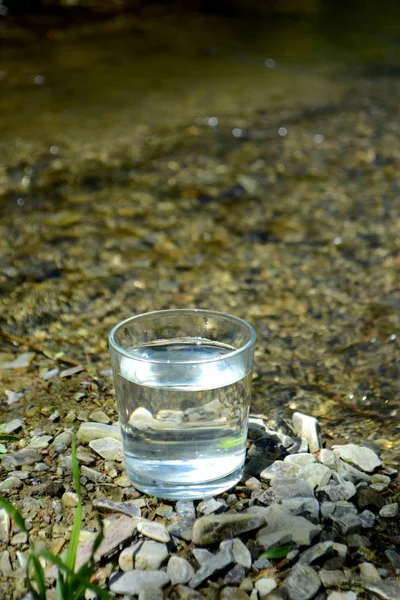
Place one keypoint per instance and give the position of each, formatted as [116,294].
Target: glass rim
[214,313]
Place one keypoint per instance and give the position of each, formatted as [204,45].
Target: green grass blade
[61,588]
[74,541]
[33,592]
[76,576]
[38,574]
[278,552]
[75,470]
[9,437]
[13,514]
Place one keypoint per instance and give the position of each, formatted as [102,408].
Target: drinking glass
[183,383]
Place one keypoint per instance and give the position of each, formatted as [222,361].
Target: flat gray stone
[355,541]
[186,509]
[388,590]
[332,578]
[216,528]
[4,526]
[63,439]
[350,473]
[303,507]
[359,456]
[26,456]
[283,488]
[369,572]
[202,555]
[219,561]
[108,448]
[232,593]
[342,596]
[94,475]
[10,483]
[320,550]
[124,508]
[343,507]
[150,556]
[367,519]
[308,428]
[347,524]
[316,475]
[390,511]
[153,530]
[235,575]
[302,583]
[5,564]
[134,582]
[99,416]
[151,593]
[272,540]
[241,554]
[181,528]
[88,432]
[21,362]
[394,558]
[40,442]
[179,570]
[281,520]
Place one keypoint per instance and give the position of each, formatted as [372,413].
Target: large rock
[216,528]
[360,456]
[133,582]
[302,583]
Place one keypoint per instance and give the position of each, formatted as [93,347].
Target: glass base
[184,491]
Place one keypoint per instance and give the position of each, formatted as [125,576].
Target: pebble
[124,508]
[280,469]
[153,530]
[186,509]
[26,456]
[63,439]
[40,442]
[210,505]
[342,596]
[302,583]
[108,448]
[151,555]
[308,428]
[301,460]
[21,362]
[235,575]
[181,528]
[394,558]
[367,519]
[99,416]
[179,570]
[10,483]
[69,499]
[4,526]
[347,524]
[281,520]
[5,564]
[342,490]
[19,538]
[232,593]
[379,487]
[360,456]
[151,593]
[355,541]
[94,475]
[390,511]
[271,540]
[331,578]
[11,426]
[217,563]
[215,528]
[265,585]
[88,432]
[186,593]
[241,554]
[369,572]
[320,550]
[290,487]
[304,507]
[370,499]
[134,582]
[71,371]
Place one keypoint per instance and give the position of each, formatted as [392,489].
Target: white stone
[360,456]
[10,483]
[316,474]
[302,460]
[69,499]
[307,427]
[265,585]
[389,511]
[94,431]
[342,596]
[4,526]
[108,448]
[11,426]
[241,554]
[153,530]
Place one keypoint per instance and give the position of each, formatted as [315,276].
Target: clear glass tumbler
[183,384]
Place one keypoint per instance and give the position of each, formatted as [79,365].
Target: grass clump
[71,584]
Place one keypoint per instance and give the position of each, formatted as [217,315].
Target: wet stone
[179,570]
[302,583]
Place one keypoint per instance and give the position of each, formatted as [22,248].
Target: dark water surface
[250,166]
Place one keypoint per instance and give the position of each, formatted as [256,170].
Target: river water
[246,165]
